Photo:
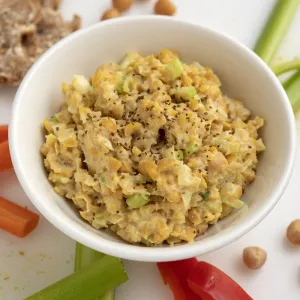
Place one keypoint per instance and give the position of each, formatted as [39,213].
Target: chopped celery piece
[191,149]
[81,84]
[129,58]
[213,206]
[124,85]
[276,29]
[84,257]
[174,69]
[88,283]
[186,92]
[236,203]
[119,86]
[136,201]
[292,88]
[281,68]
[205,195]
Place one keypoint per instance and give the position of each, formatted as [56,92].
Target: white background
[49,254]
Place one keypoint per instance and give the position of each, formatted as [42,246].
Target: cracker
[27,29]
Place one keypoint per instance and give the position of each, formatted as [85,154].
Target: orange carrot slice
[3,133]
[16,219]
[5,160]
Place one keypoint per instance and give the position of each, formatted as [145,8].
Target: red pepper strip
[175,274]
[210,283]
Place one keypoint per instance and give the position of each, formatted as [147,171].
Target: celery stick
[281,68]
[88,283]
[84,257]
[108,296]
[276,29]
[292,88]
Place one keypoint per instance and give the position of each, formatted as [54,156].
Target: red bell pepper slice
[210,283]
[175,274]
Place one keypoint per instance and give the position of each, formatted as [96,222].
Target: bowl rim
[133,252]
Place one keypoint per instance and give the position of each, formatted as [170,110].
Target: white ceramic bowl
[243,76]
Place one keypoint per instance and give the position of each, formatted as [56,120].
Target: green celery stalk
[88,283]
[84,257]
[292,88]
[276,29]
[291,65]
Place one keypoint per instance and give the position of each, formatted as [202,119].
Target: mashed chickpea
[151,149]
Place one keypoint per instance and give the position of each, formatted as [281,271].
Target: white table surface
[49,254]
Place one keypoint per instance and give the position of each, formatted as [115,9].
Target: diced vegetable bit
[124,85]
[3,133]
[129,59]
[185,93]
[119,86]
[205,195]
[174,69]
[191,149]
[16,219]
[276,29]
[254,257]
[293,232]
[88,283]
[86,256]
[81,84]
[136,201]
[210,283]
[292,88]
[5,159]
[235,203]
[175,275]
[214,206]
[281,68]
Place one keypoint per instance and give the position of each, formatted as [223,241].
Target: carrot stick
[3,133]
[5,160]
[16,219]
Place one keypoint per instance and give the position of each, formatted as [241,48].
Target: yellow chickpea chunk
[165,7]
[110,14]
[254,257]
[122,5]
[293,232]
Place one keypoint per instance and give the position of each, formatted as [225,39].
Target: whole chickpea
[110,14]
[254,257]
[165,7]
[293,232]
[122,5]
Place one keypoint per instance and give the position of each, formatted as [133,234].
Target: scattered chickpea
[165,7]
[254,257]
[122,5]
[110,14]
[293,232]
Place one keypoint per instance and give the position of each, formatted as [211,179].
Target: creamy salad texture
[151,149]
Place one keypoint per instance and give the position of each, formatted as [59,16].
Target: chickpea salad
[151,149]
